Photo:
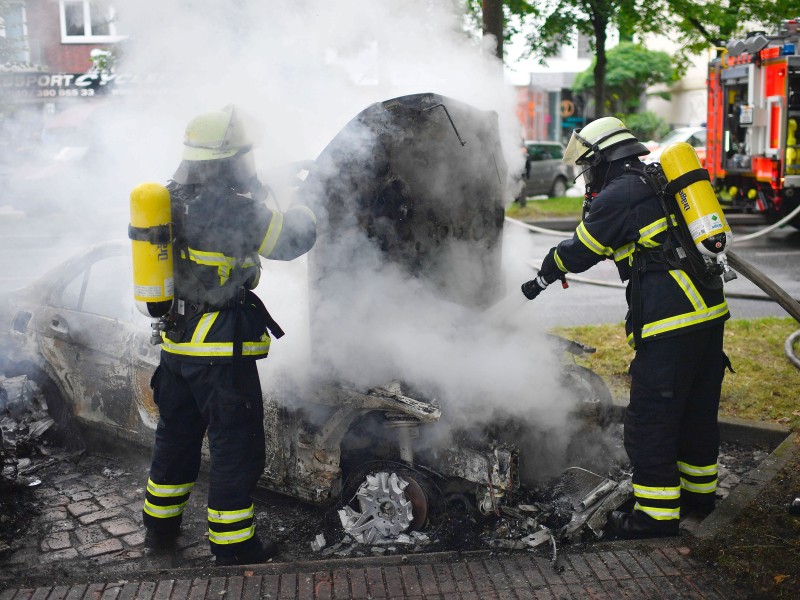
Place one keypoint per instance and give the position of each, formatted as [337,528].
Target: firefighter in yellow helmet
[207,381]
[675,323]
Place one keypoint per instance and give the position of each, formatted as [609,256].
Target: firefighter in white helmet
[207,381]
[675,323]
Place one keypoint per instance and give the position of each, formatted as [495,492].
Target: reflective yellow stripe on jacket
[198,347]
[646,235]
[700,314]
[223,263]
[272,235]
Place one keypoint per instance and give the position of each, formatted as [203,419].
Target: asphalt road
[602,300]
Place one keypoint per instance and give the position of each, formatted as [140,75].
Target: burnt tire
[595,401]
[422,492]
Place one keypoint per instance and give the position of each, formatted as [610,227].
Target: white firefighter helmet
[217,135]
[605,138]
[217,141]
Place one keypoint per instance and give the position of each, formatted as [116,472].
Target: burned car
[400,408]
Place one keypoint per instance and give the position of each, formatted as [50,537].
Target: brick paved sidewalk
[646,571]
[85,540]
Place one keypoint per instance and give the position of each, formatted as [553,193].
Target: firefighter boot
[161,541]
[255,552]
[700,505]
[638,525]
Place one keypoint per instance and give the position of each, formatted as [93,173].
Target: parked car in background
[544,172]
[694,136]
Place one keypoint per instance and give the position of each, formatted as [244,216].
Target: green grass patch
[765,387]
[546,209]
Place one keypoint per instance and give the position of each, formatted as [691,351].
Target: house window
[14,33]
[87,21]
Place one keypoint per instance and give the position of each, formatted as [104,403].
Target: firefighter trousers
[671,430]
[194,399]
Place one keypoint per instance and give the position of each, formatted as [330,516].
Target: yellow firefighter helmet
[217,135]
[607,138]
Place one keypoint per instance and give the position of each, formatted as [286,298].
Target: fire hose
[772,290]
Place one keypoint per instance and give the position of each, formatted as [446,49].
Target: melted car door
[87,336]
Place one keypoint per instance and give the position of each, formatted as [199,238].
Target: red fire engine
[753,145]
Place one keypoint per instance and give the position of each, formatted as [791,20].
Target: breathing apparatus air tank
[150,231]
[696,200]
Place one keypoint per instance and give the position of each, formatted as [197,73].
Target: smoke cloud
[305,69]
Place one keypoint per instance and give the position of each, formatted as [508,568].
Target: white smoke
[304,69]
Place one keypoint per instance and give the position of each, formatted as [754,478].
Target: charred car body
[418,179]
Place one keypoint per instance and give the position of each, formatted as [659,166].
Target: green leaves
[630,70]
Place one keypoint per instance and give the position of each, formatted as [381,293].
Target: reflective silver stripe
[693,470]
[231,537]
[167,491]
[657,493]
[646,235]
[163,512]
[273,233]
[231,516]
[688,288]
[203,326]
[700,488]
[660,514]
[624,251]
[684,320]
[592,244]
[213,259]
[215,349]
[648,232]
[225,264]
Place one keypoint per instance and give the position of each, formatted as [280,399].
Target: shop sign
[69,85]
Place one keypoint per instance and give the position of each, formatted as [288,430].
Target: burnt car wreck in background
[420,179]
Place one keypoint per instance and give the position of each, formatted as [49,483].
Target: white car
[694,136]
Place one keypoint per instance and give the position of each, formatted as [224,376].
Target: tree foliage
[645,125]
[698,26]
[630,71]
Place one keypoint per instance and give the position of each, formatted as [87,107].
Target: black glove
[534,287]
[550,271]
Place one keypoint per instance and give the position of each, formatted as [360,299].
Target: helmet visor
[576,148]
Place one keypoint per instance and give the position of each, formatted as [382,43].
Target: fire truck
[753,144]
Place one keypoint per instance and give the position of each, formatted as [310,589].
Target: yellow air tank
[151,234]
[697,201]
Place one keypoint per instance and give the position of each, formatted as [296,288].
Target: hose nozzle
[728,274]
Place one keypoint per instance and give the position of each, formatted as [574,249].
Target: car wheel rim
[388,505]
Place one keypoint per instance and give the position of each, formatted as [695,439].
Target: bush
[646,125]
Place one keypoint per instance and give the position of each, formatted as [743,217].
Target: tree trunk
[600,22]
[493,23]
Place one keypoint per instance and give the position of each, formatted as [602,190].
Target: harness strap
[247,296]
[636,301]
[685,180]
